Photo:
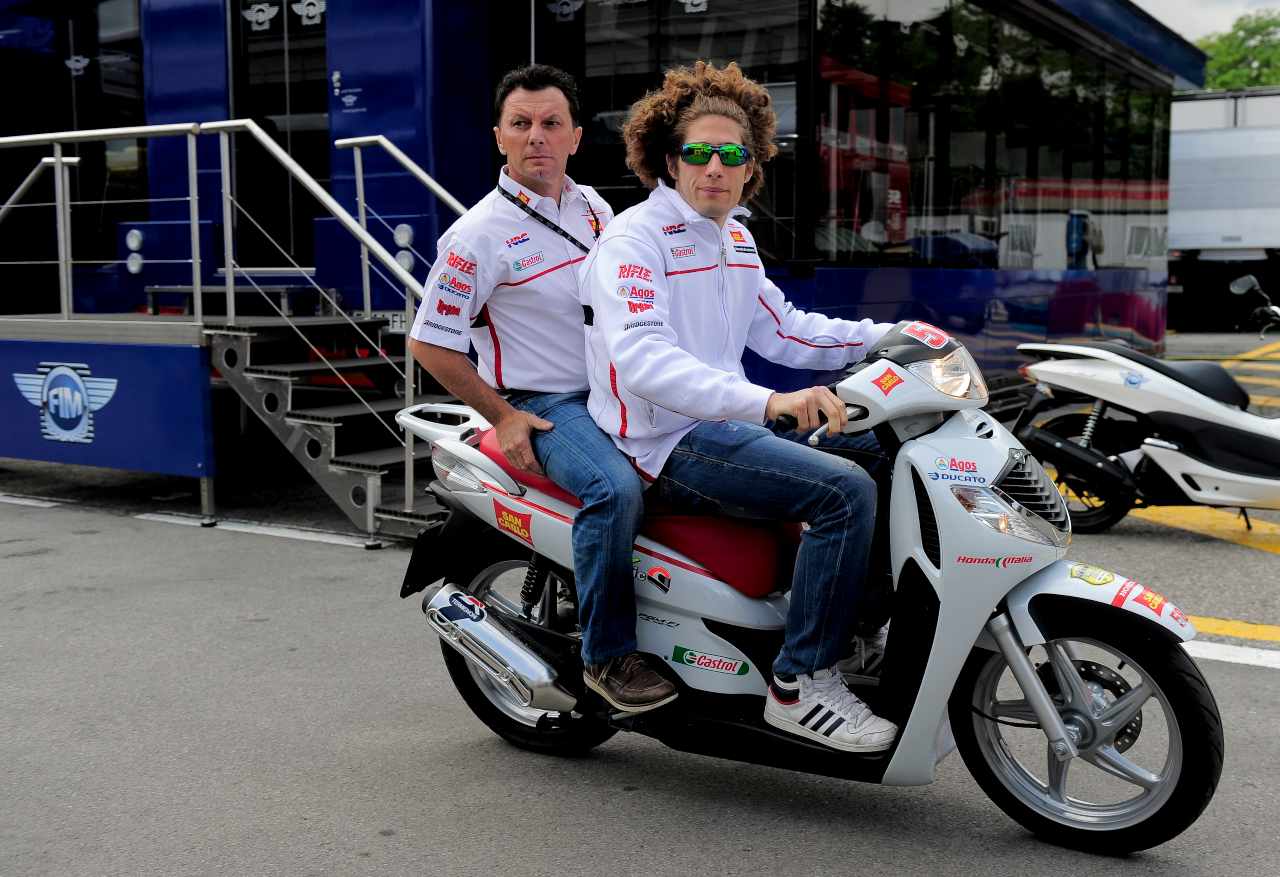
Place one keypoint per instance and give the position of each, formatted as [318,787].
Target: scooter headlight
[955,374]
[983,504]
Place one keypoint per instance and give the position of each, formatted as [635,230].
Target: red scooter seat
[754,557]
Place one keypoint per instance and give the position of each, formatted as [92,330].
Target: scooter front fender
[1081,581]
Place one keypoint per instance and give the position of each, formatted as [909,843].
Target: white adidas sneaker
[864,665]
[822,708]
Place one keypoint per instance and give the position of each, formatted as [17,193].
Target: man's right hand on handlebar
[805,405]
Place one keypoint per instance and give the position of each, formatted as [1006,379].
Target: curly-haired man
[677,291]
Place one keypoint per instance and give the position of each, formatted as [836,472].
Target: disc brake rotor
[1110,682]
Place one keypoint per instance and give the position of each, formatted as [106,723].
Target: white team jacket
[675,300]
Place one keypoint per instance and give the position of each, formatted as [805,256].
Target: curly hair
[656,123]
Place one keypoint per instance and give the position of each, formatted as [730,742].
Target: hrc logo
[67,396]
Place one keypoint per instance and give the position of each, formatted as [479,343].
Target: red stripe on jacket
[497,348]
[778,331]
[540,273]
[613,385]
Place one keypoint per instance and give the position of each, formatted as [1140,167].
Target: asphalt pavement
[188,701]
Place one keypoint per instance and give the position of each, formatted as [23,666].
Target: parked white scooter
[1065,686]
[1158,432]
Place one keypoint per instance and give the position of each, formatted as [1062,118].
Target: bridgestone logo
[704,661]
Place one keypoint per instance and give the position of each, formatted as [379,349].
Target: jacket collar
[664,192]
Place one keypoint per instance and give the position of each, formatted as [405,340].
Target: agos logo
[67,396]
[955,465]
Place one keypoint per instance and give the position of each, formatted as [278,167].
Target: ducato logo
[67,396]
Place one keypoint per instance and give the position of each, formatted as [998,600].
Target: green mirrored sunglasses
[731,154]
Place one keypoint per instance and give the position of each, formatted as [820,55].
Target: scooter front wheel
[536,730]
[1139,712]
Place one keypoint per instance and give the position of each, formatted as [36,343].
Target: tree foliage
[1247,56]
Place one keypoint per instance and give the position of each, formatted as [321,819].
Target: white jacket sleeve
[456,290]
[630,300]
[783,334]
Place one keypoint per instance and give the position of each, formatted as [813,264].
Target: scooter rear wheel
[1092,511]
[564,734]
[1140,713]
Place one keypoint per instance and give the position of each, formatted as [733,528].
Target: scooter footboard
[1084,582]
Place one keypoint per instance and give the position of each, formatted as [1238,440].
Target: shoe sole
[633,709]
[798,730]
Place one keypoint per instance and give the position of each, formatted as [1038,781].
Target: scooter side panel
[1217,486]
[1085,582]
[978,567]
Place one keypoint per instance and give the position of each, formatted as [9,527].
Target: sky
[1194,19]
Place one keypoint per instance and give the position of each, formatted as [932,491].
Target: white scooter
[1158,432]
[1065,686]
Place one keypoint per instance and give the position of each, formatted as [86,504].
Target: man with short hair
[677,291]
[504,282]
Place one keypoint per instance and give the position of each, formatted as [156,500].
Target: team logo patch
[1153,601]
[635,293]
[659,578]
[67,395]
[706,661]
[639,307]
[738,237]
[522,238]
[1091,575]
[457,263]
[518,524]
[527,262]
[639,272]
[683,252]
[678,228]
[955,465]
[594,222]
[524,199]
[929,336]
[888,381]
[1125,590]
[447,310]
[455,285]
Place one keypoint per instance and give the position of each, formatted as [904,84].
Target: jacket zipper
[724,307]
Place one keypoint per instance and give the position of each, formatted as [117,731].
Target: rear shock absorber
[535,581]
[1091,425]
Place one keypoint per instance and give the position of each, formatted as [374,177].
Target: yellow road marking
[1250,365]
[1227,526]
[1268,401]
[1264,350]
[1264,382]
[1241,629]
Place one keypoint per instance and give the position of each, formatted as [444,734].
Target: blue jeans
[584,461]
[744,470]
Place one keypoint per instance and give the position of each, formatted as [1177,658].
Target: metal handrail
[407,163]
[317,191]
[30,181]
[100,134]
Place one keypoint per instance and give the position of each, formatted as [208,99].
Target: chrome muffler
[495,647]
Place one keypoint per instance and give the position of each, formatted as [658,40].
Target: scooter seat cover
[490,448]
[754,557]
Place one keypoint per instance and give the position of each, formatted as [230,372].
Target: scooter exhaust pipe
[498,649]
[1067,456]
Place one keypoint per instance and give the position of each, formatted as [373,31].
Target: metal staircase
[326,381]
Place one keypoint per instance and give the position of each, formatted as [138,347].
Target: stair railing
[368,245]
[63,202]
[363,209]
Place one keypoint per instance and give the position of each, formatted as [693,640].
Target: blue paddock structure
[997,169]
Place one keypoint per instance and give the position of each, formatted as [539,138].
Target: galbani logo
[998,562]
[447,310]
[705,661]
[639,307]
[516,523]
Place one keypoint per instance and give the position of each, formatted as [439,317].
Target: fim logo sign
[705,661]
[67,396]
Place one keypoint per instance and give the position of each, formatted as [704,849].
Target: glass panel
[281,83]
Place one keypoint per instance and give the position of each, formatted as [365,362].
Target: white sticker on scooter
[705,661]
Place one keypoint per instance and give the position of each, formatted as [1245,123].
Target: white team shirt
[498,263]
[676,300]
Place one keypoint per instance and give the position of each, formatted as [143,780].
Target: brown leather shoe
[629,683]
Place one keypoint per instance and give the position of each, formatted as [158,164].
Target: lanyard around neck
[595,225]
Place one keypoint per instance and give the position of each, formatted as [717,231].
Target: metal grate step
[380,460]
[331,414]
[298,369]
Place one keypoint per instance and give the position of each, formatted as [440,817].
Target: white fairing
[1216,486]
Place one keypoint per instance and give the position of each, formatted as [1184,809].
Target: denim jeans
[744,470]
[584,461]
